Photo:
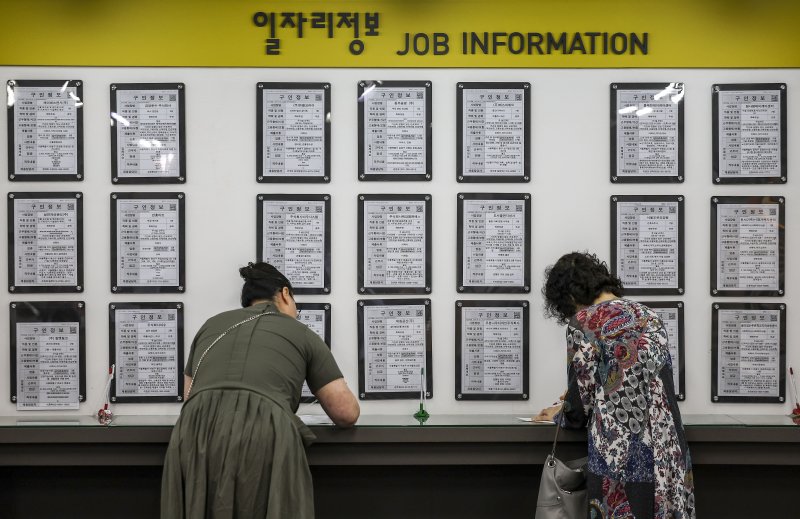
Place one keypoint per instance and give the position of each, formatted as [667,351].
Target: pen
[794,386]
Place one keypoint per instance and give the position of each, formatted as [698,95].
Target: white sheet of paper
[748,247]
[394,131]
[531,420]
[394,243]
[148,242]
[494,242]
[46,130]
[148,133]
[315,320]
[647,244]
[493,132]
[394,347]
[749,353]
[45,242]
[315,419]
[146,345]
[294,132]
[669,318]
[48,367]
[749,133]
[294,240]
[492,350]
[647,133]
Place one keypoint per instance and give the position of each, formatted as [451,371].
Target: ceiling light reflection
[367,91]
[78,102]
[673,90]
[116,117]
[144,143]
[370,88]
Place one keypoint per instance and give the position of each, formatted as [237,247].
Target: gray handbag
[562,490]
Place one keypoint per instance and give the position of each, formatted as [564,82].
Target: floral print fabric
[620,385]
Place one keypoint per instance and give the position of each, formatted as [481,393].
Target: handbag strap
[223,334]
[555,439]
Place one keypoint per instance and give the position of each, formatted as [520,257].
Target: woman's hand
[547,414]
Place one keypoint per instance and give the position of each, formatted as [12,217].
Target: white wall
[570,193]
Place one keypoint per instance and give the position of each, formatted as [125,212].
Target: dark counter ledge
[390,440]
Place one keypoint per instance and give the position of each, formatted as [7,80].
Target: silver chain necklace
[223,334]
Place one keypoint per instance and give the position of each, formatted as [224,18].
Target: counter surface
[390,440]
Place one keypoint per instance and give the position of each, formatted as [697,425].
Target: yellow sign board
[403,33]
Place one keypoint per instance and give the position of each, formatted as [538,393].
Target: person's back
[237,449]
[619,383]
[637,443]
[272,355]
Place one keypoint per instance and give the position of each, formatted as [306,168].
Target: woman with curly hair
[620,385]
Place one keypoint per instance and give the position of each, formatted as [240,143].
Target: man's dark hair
[577,278]
[262,281]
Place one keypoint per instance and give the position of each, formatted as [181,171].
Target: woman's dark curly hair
[577,278]
[262,281]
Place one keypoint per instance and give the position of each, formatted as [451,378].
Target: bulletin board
[568,164]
